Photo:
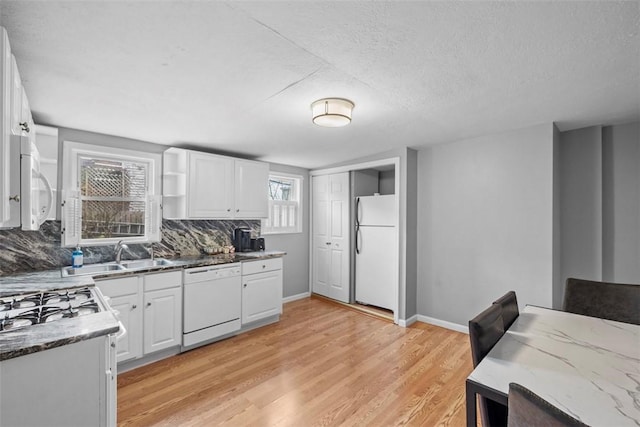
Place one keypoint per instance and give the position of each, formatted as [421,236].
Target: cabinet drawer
[118,286]
[253,267]
[157,281]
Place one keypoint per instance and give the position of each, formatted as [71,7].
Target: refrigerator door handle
[357,240]
[357,212]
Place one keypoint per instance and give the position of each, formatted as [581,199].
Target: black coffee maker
[242,239]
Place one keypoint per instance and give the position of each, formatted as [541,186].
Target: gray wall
[621,203]
[387,182]
[296,262]
[599,182]
[581,203]
[485,223]
[558,286]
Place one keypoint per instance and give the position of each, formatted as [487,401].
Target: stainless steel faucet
[119,247]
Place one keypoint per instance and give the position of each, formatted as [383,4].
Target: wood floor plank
[321,365]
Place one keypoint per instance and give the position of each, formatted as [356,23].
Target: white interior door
[321,264]
[339,230]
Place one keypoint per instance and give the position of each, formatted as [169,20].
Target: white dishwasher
[212,302]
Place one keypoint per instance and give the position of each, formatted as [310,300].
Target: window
[109,195]
[285,204]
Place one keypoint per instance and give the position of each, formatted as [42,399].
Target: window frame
[298,191]
[73,152]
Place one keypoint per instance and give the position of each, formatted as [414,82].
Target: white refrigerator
[376,251]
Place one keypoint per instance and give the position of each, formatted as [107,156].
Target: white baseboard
[408,322]
[443,324]
[296,297]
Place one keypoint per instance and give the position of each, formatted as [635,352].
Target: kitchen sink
[146,263]
[112,267]
[91,269]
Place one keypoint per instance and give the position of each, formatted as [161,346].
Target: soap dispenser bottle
[76,258]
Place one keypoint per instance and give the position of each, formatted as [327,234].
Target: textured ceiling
[239,77]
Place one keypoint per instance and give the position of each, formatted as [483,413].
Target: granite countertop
[40,337]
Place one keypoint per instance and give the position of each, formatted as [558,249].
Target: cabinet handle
[237,210]
[134,306]
[15,198]
[25,126]
[328,243]
[148,304]
[245,285]
[229,210]
[264,266]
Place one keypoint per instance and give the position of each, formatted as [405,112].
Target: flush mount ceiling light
[332,112]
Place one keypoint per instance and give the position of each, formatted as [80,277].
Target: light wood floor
[321,365]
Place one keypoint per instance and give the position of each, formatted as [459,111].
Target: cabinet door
[251,189]
[162,319]
[5,124]
[11,175]
[27,124]
[16,99]
[261,296]
[129,310]
[210,192]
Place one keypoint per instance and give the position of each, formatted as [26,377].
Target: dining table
[586,366]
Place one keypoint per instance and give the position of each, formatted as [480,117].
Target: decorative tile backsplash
[26,251]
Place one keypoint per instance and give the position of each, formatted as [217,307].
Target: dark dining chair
[527,409]
[509,304]
[605,300]
[484,332]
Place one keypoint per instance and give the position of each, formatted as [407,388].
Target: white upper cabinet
[5,128]
[210,192]
[251,189]
[16,123]
[200,185]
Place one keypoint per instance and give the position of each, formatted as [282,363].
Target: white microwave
[36,196]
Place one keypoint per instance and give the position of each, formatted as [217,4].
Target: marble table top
[588,367]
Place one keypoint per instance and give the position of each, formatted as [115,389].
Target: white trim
[443,324]
[408,322]
[73,151]
[296,297]
[355,166]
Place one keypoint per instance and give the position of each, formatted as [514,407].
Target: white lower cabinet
[261,289]
[150,308]
[162,319]
[70,385]
[126,299]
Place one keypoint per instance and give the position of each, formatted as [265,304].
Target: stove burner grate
[21,311]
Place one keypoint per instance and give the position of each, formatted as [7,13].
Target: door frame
[401,273]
